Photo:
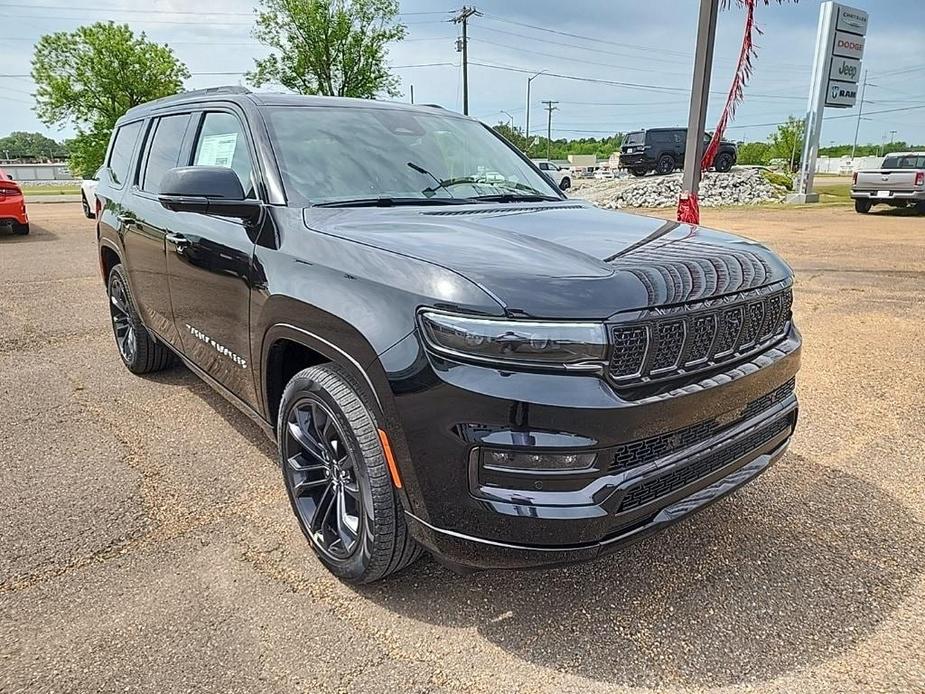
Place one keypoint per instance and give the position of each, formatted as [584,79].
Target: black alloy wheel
[565,183]
[122,325]
[665,164]
[723,162]
[338,478]
[322,478]
[140,351]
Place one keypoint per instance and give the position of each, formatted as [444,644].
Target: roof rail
[209,91]
[433,106]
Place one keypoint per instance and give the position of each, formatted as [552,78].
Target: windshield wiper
[512,197]
[385,201]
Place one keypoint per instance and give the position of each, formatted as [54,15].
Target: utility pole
[462,46]
[527,121]
[550,107]
[688,205]
[892,137]
[857,127]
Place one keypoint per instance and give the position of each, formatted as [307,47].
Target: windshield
[329,154]
[636,138]
[915,161]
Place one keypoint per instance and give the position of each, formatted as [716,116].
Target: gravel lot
[146,542]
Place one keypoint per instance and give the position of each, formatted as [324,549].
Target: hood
[563,260]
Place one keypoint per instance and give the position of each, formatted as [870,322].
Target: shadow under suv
[449,353]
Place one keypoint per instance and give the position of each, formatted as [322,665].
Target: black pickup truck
[450,354]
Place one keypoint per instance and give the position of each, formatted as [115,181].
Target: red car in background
[12,205]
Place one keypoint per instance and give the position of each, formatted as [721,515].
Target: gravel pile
[738,187]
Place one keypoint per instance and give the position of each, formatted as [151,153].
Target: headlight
[514,341]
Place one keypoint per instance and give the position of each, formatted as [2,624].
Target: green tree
[755,153]
[787,142]
[33,145]
[513,135]
[91,76]
[328,47]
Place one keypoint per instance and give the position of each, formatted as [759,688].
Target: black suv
[662,150]
[450,354]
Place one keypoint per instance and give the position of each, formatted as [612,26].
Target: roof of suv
[237,94]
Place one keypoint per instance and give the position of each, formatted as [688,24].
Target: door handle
[179,241]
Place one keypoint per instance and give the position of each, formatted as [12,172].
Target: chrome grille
[697,336]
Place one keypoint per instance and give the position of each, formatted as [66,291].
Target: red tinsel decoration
[689,208]
[737,89]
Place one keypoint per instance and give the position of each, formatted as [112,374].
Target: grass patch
[834,192]
[62,189]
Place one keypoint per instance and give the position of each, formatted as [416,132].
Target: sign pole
[836,69]
[688,205]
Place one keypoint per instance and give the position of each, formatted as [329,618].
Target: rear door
[209,261]
[147,224]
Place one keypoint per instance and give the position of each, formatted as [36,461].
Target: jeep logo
[848,70]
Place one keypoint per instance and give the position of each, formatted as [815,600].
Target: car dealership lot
[146,541]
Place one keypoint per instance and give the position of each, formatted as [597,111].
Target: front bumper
[447,411]
[874,195]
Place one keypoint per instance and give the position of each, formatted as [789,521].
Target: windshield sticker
[217,150]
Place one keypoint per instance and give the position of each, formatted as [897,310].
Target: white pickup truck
[899,182]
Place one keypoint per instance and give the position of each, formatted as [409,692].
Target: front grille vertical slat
[709,334]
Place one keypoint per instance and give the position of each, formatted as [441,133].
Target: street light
[527,121]
[511,117]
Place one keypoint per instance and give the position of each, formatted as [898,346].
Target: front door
[209,266]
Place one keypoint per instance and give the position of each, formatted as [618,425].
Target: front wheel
[862,206]
[338,480]
[723,163]
[565,183]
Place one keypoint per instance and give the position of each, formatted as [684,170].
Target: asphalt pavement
[146,543]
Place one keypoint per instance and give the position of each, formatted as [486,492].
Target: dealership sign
[844,56]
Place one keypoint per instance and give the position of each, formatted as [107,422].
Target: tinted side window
[222,142]
[164,152]
[120,159]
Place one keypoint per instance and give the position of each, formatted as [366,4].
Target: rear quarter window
[120,158]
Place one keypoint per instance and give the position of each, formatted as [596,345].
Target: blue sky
[645,44]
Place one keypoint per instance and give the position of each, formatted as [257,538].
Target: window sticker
[217,150]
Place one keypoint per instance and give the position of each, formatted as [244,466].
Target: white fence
[27,173]
[846,165]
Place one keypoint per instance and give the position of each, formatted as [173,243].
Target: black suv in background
[662,150]
[449,353]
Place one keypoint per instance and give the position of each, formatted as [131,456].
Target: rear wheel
[665,164]
[140,351]
[862,206]
[338,480]
[639,171]
[565,183]
[920,207]
[21,229]
[88,213]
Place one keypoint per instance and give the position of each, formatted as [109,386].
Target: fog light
[539,462]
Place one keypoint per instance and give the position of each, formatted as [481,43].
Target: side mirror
[214,190]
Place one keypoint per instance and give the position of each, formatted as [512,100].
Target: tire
[88,213]
[140,351]
[21,229]
[565,183]
[920,207]
[639,172]
[723,162]
[333,464]
[862,206]
[665,165]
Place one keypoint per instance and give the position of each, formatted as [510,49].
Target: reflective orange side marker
[389,458]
